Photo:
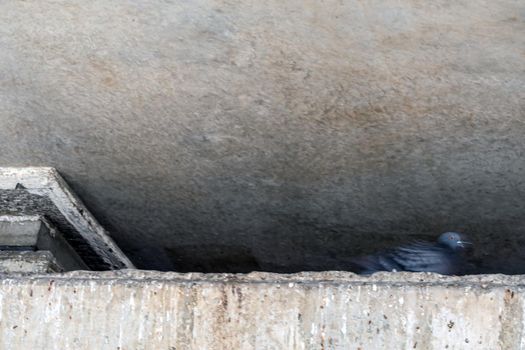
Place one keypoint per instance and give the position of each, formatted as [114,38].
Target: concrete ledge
[329,310]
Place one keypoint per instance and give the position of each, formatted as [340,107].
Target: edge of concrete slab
[324,277]
[133,309]
[46,181]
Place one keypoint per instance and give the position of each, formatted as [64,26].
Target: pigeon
[446,257]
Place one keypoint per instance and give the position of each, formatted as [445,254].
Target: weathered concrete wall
[229,135]
[146,310]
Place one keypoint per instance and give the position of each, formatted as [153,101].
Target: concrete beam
[34,233]
[28,262]
[47,183]
[19,230]
[330,310]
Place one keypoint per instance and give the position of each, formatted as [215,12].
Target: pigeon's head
[454,241]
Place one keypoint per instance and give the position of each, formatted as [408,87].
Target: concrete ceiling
[274,135]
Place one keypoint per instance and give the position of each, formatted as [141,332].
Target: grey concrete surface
[166,311]
[19,230]
[238,135]
[29,262]
[33,233]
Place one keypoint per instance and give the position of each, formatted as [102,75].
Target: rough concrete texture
[28,262]
[233,135]
[148,310]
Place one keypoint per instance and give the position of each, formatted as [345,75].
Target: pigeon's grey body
[445,257]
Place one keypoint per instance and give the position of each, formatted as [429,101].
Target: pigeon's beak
[465,244]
